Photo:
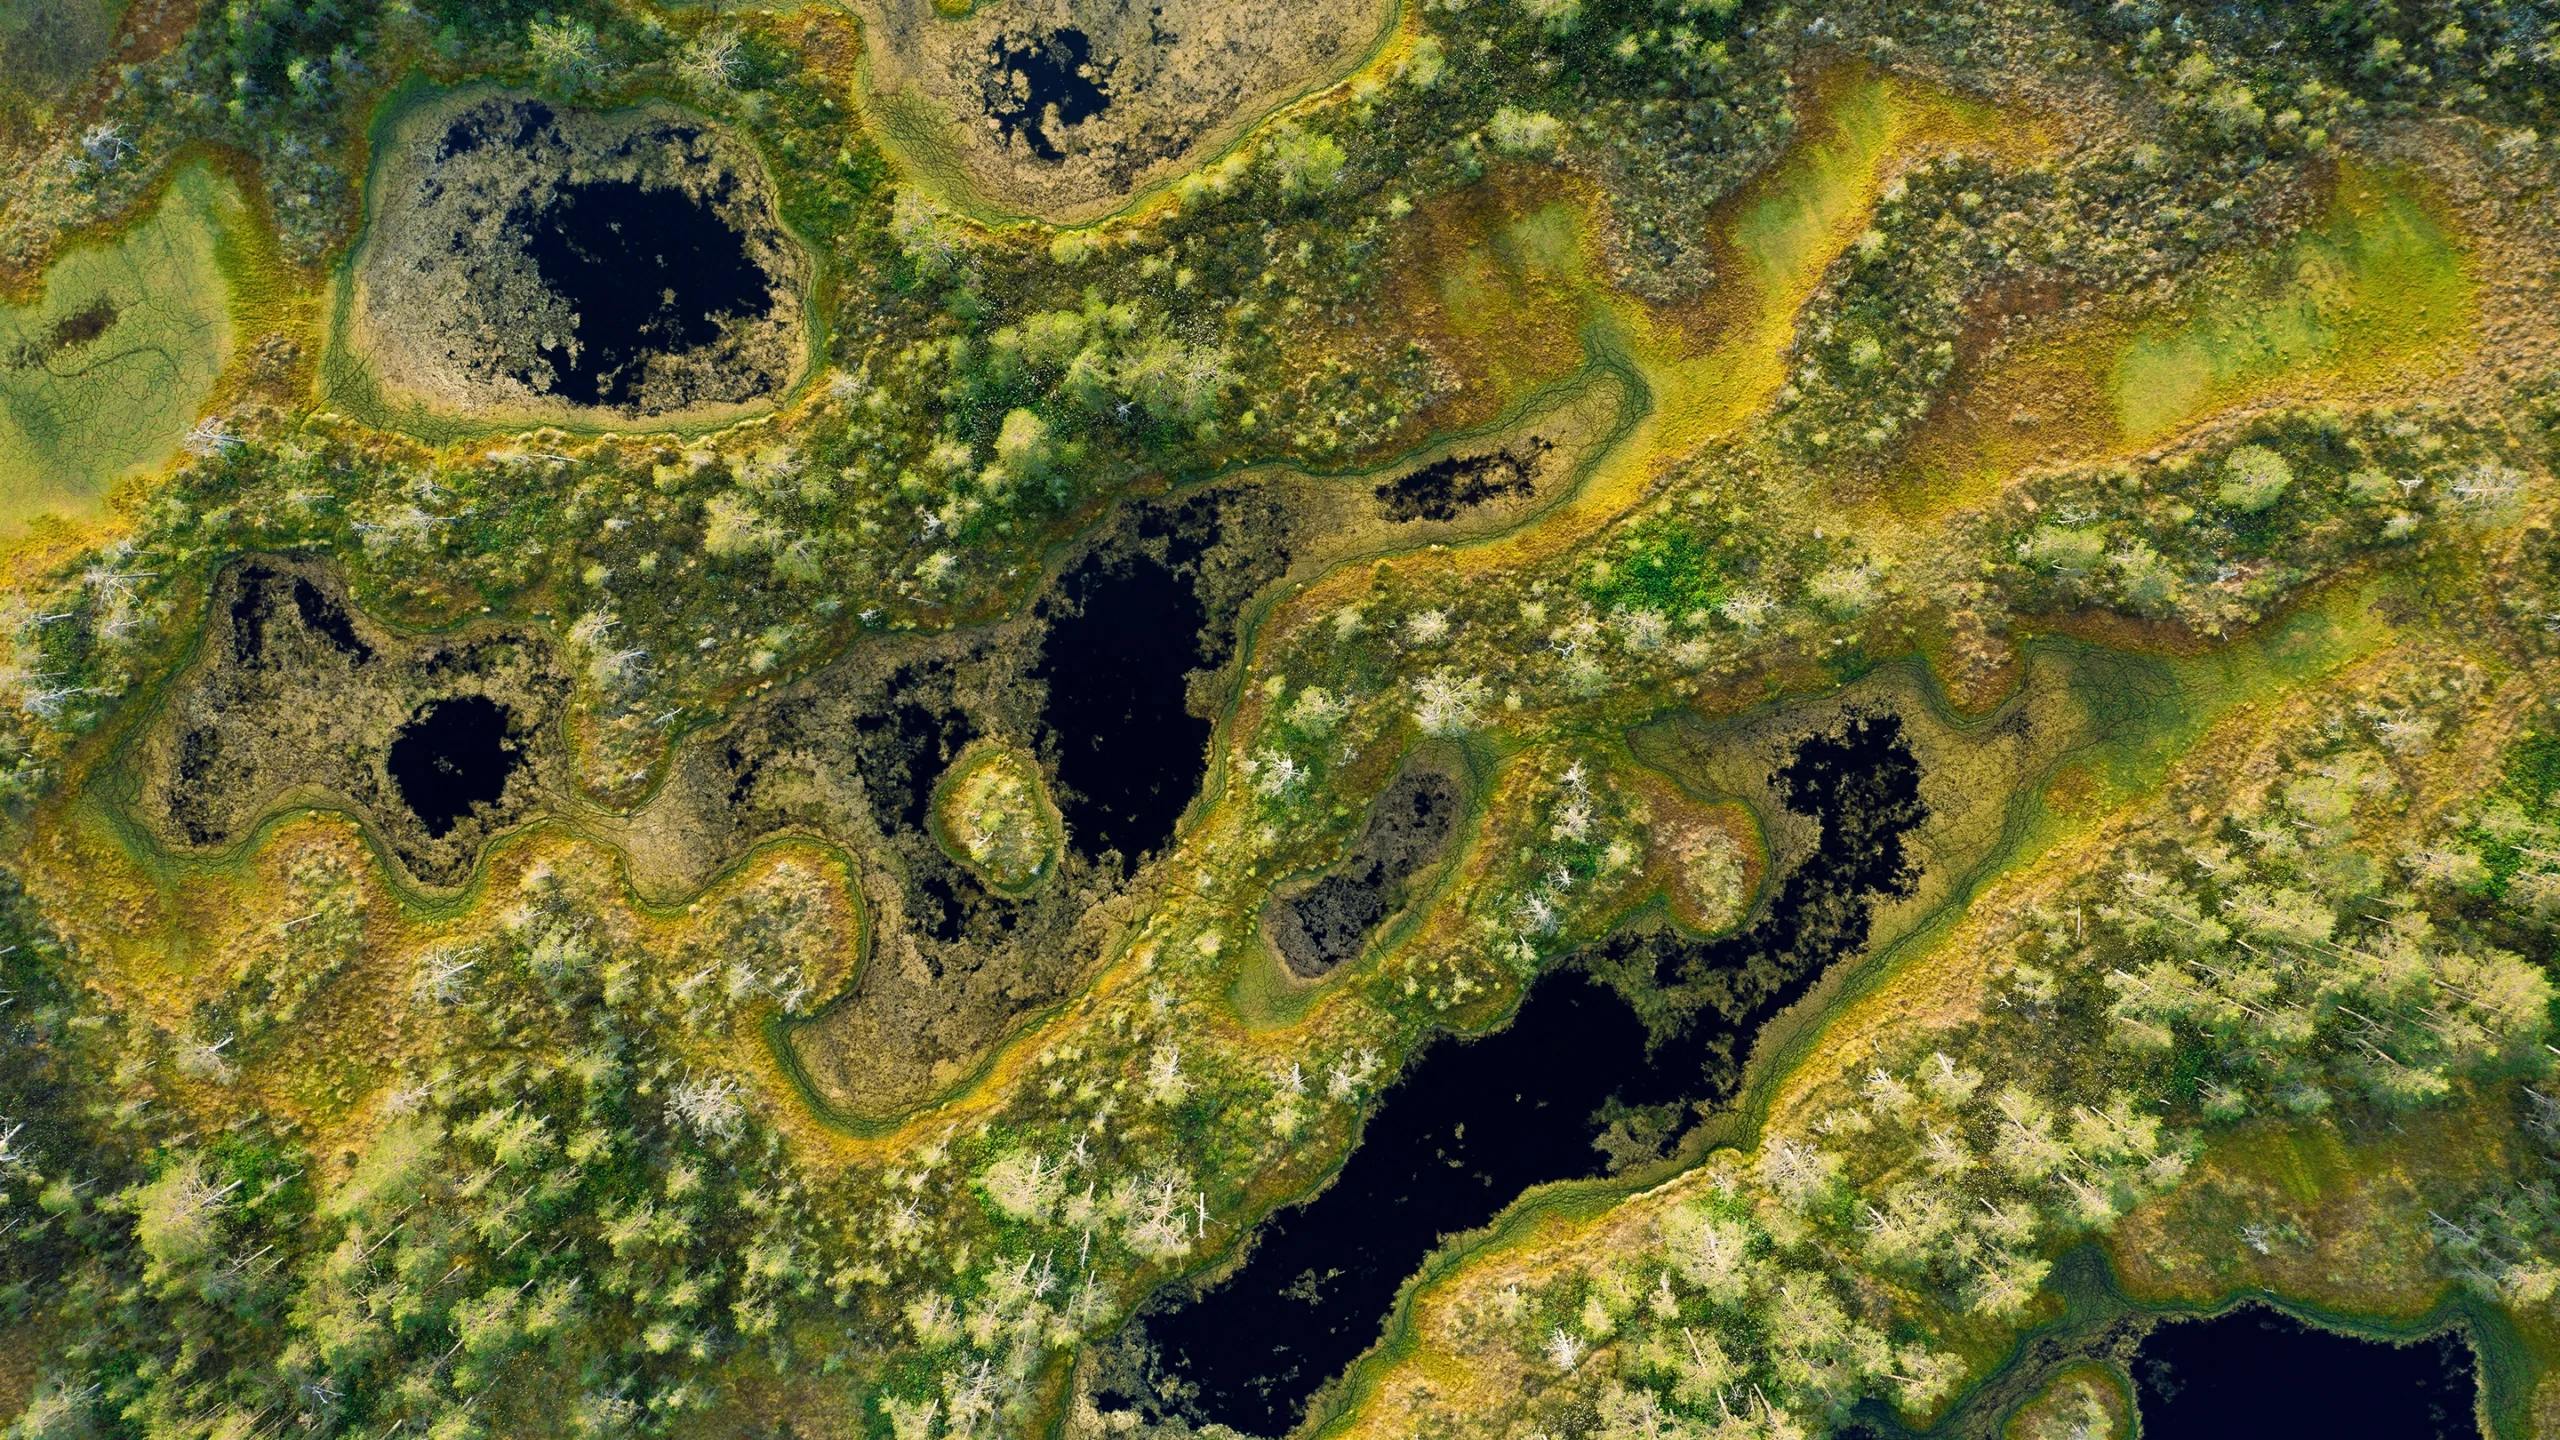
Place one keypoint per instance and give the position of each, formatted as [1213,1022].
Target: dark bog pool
[1035,72]
[1443,489]
[1408,825]
[1124,637]
[901,751]
[647,271]
[1472,1126]
[2255,1373]
[1609,1057]
[452,755]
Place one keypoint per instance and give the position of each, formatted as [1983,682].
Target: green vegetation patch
[2508,847]
[1790,227]
[2379,282]
[992,814]
[2219,536]
[2089,1402]
[300,1150]
[104,372]
[1664,567]
[1547,241]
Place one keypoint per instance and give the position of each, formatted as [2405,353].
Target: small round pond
[1474,1123]
[528,260]
[451,757]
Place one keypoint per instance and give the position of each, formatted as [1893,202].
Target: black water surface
[452,756]
[647,271]
[253,608]
[328,619]
[1036,72]
[1443,488]
[249,614]
[2255,1373]
[1476,1122]
[1330,923]
[1122,642]
[901,753]
[471,130]
[1704,1000]
[1472,1126]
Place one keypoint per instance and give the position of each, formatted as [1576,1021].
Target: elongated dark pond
[2255,1373]
[1122,640]
[1476,1122]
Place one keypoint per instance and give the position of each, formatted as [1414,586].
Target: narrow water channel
[1476,1122]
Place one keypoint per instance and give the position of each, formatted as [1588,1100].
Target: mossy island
[992,812]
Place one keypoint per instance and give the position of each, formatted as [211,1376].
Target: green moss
[2532,772]
[1547,241]
[992,814]
[1792,227]
[1665,566]
[2517,814]
[2378,284]
[105,371]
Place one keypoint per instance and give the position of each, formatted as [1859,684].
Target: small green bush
[2253,478]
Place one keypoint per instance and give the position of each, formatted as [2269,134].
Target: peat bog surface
[1608,1058]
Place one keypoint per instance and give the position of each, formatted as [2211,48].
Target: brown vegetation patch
[1473,489]
[1447,487]
[2073,794]
[1479,280]
[1707,859]
[2030,387]
[537,261]
[20,1354]
[1978,666]
[51,49]
[1067,108]
[2113,631]
[296,697]
[2328,1218]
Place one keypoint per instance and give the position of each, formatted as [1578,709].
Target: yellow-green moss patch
[993,814]
[2379,283]
[104,371]
[2085,1402]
